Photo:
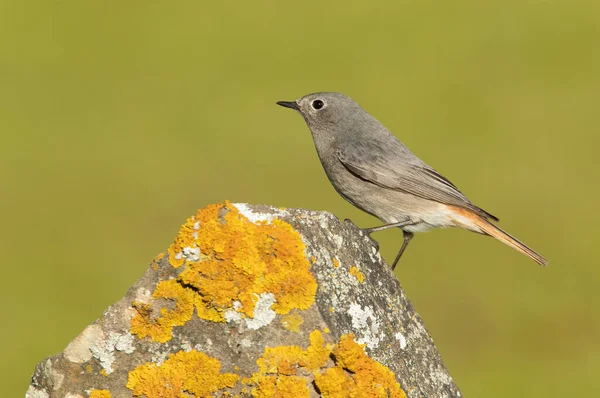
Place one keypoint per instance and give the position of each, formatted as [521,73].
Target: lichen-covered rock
[255,301]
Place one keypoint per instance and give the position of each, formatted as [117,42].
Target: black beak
[290,104]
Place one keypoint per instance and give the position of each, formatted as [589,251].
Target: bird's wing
[395,167]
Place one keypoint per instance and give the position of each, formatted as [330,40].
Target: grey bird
[370,168]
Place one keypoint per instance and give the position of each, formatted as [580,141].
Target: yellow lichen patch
[159,327]
[281,387]
[100,394]
[88,369]
[190,373]
[336,262]
[280,368]
[229,262]
[357,375]
[292,322]
[187,237]
[353,373]
[357,274]
[313,358]
[240,260]
[104,373]
[280,360]
[335,383]
[317,353]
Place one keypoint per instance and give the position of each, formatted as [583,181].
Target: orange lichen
[336,262]
[280,368]
[317,353]
[357,375]
[357,274]
[288,369]
[158,326]
[292,322]
[100,394]
[241,260]
[280,360]
[190,373]
[285,371]
[229,262]
[335,382]
[281,387]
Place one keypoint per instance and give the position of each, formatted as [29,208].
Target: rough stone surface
[288,343]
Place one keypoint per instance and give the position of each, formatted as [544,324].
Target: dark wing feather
[395,167]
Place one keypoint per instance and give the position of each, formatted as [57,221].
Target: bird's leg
[400,224]
[407,237]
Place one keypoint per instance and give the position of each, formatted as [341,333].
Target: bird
[373,170]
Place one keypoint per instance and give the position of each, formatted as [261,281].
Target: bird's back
[370,152]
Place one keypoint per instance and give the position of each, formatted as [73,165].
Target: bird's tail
[486,227]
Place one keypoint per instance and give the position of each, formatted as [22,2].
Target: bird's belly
[425,222]
[423,215]
[392,206]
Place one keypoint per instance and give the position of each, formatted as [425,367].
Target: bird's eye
[317,104]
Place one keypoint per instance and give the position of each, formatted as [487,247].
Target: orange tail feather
[486,227]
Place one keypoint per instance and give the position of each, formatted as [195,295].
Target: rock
[255,301]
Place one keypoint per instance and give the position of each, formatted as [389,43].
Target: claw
[349,221]
[375,243]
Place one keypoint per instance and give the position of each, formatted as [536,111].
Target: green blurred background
[119,119]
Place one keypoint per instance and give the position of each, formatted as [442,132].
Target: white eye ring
[317,104]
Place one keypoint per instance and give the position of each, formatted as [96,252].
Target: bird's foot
[367,232]
[374,242]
